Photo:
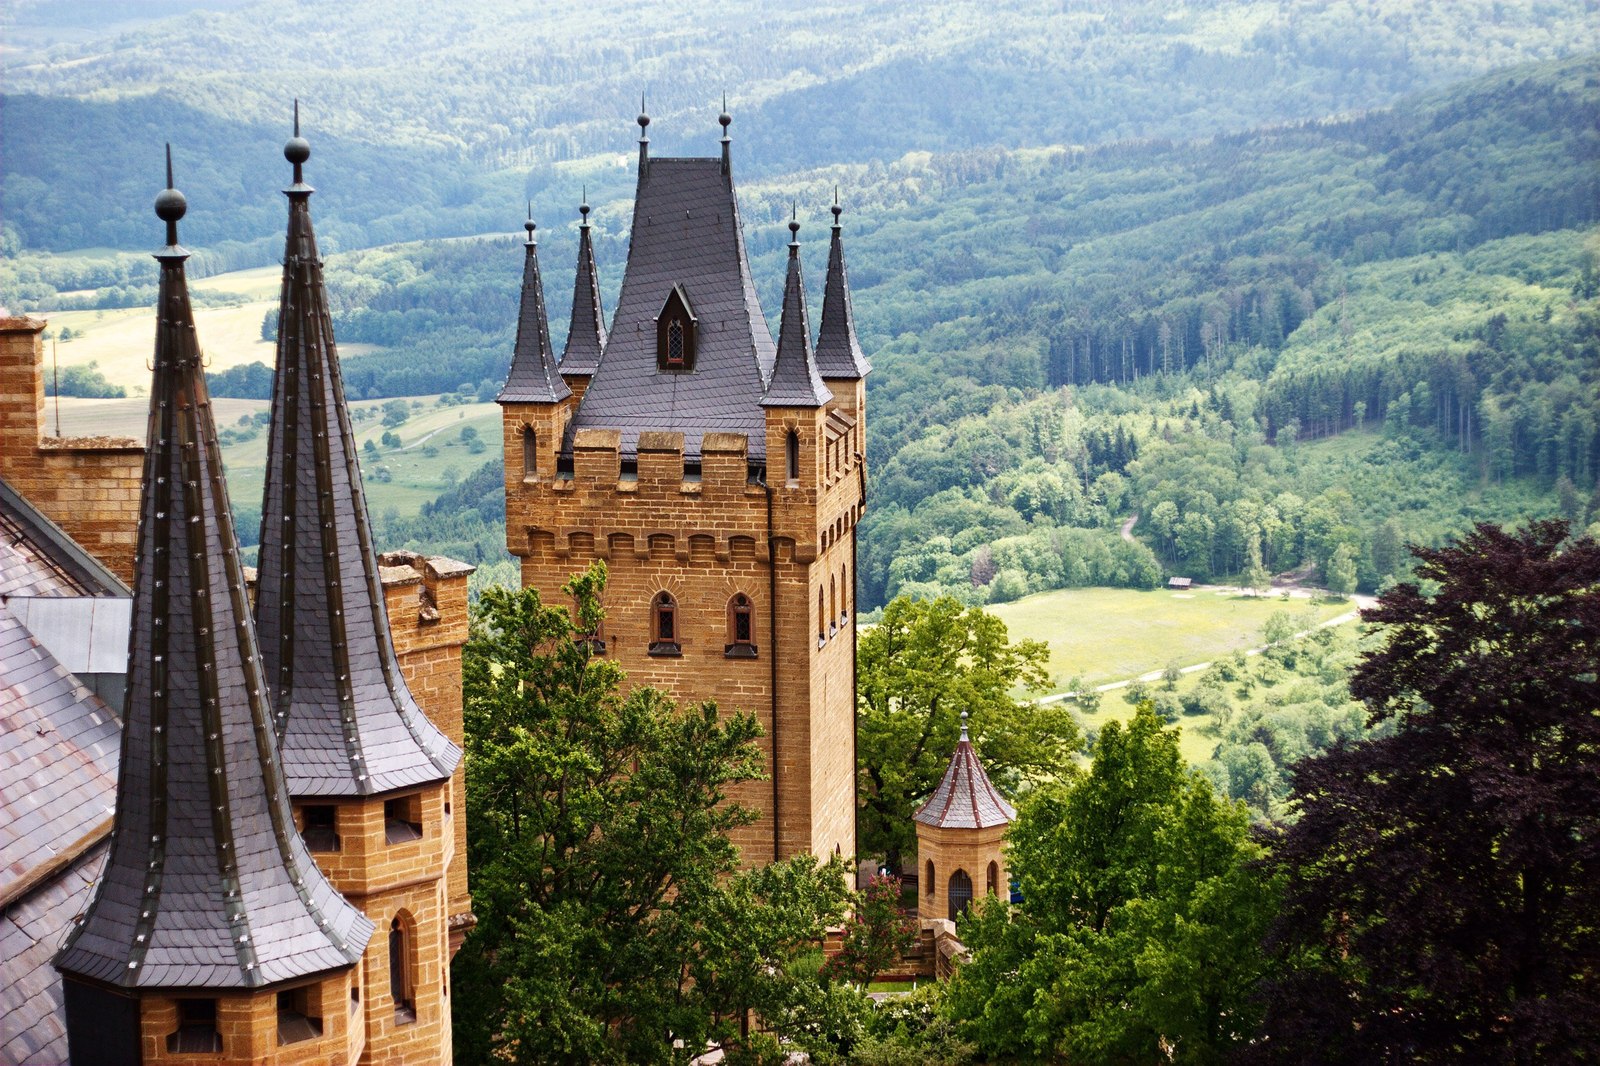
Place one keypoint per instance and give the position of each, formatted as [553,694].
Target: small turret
[794,381]
[533,377]
[839,354]
[586,335]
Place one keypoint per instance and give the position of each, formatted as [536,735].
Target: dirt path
[1127,528]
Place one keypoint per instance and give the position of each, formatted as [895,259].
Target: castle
[282,876]
[721,477]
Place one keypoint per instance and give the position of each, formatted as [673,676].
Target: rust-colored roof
[965,799]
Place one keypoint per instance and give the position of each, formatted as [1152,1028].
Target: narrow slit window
[400,985]
[741,628]
[675,343]
[530,453]
[792,453]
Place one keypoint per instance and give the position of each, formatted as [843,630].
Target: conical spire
[839,354]
[794,381]
[586,336]
[346,721]
[965,799]
[533,377]
[207,884]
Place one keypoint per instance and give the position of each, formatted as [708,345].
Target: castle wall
[89,486]
[704,540]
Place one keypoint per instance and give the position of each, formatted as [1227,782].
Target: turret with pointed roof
[839,354]
[960,832]
[347,723]
[794,381]
[208,888]
[533,377]
[586,335]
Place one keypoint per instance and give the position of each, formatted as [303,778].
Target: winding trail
[1127,528]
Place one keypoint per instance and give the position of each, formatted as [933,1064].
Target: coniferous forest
[1229,291]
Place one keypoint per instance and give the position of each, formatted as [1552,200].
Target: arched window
[960,893]
[741,628]
[401,985]
[833,599]
[791,451]
[675,332]
[530,453]
[844,594]
[822,617]
[994,879]
[664,626]
[927,876]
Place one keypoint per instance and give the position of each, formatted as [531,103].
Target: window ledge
[668,649]
[404,1014]
[739,651]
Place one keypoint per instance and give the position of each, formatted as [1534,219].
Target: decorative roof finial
[836,209]
[530,227]
[297,150]
[583,209]
[644,137]
[794,229]
[171,205]
[726,120]
[964,738]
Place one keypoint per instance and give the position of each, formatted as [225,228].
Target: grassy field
[416,475]
[119,341]
[1107,635]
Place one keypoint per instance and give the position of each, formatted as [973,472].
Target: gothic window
[530,453]
[400,970]
[791,450]
[994,879]
[960,893]
[675,333]
[833,599]
[928,877]
[741,628]
[844,594]
[822,618]
[664,626]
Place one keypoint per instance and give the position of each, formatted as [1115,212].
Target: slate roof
[686,231]
[37,558]
[35,1029]
[965,799]
[839,354]
[794,381]
[207,884]
[586,336]
[347,724]
[533,377]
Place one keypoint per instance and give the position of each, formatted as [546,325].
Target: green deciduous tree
[919,668]
[1137,938]
[613,925]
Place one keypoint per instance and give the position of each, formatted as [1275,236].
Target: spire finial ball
[837,211]
[297,149]
[794,228]
[643,120]
[583,209]
[530,227]
[170,205]
[725,120]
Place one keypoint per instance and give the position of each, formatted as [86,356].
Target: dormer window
[675,333]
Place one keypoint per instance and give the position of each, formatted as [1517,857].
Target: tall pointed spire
[586,336]
[346,721]
[207,885]
[839,354]
[794,381]
[533,377]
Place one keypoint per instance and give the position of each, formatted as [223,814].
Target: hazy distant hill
[423,99]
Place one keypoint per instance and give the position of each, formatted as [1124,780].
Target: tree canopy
[1443,881]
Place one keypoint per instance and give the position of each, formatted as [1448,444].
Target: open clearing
[1107,635]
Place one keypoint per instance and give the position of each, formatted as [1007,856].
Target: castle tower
[212,935]
[713,471]
[960,836]
[374,783]
[586,335]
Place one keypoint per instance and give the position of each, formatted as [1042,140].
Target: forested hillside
[1307,344]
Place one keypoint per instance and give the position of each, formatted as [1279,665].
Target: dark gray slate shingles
[794,381]
[347,723]
[533,377]
[839,354]
[207,882]
[586,335]
[686,231]
[965,799]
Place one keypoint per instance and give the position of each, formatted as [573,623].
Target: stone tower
[960,836]
[374,783]
[719,475]
[212,935]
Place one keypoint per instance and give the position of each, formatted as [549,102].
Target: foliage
[1441,881]
[1137,936]
[919,668]
[878,934]
[614,925]
[84,380]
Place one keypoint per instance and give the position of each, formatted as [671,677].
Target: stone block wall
[89,486]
